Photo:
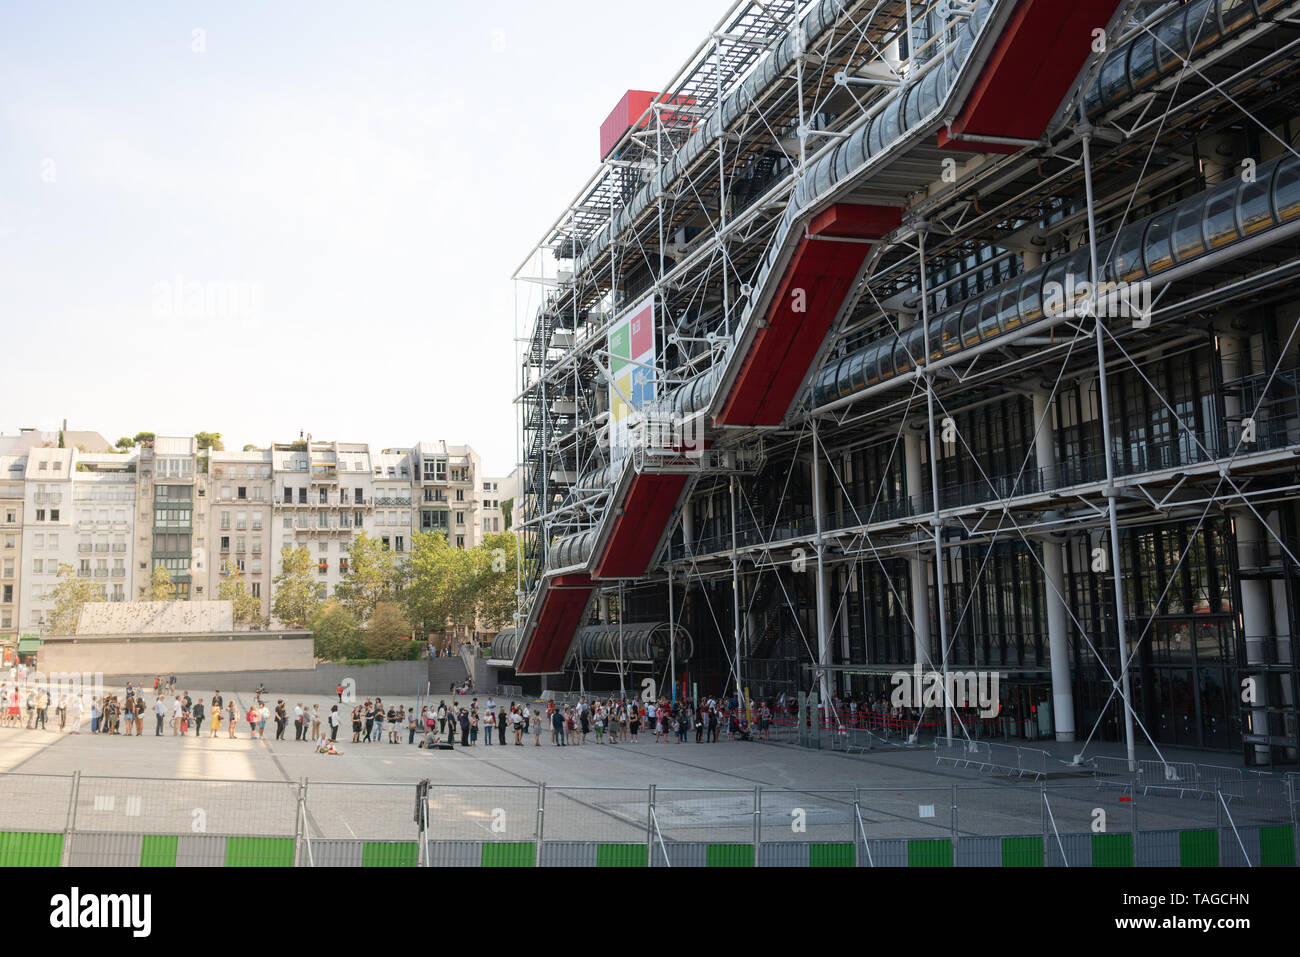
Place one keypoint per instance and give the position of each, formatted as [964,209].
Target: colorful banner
[631,364]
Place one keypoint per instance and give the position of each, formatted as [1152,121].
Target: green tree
[440,584]
[507,506]
[297,592]
[250,447]
[160,585]
[247,609]
[371,577]
[389,633]
[209,440]
[335,632]
[496,561]
[125,442]
[71,594]
[144,438]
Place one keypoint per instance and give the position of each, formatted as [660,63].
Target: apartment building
[324,496]
[393,512]
[48,538]
[103,502]
[13,470]
[240,517]
[491,493]
[171,516]
[449,496]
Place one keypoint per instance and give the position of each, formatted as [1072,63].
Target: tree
[296,592]
[389,633]
[71,594]
[144,438]
[440,583]
[371,577]
[496,562]
[209,440]
[507,506]
[247,609]
[160,585]
[250,447]
[124,443]
[335,632]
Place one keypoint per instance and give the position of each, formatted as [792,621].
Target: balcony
[119,546]
[101,572]
[391,501]
[48,498]
[101,546]
[85,547]
[119,572]
[324,473]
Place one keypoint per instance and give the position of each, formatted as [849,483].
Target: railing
[85,820]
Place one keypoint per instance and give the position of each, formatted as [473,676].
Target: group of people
[611,720]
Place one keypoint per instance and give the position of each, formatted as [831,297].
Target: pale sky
[340,192]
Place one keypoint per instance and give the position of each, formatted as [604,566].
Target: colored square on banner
[643,334]
[620,348]
[618,406]
[643,386]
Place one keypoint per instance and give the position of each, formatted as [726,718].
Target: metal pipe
[1111,492]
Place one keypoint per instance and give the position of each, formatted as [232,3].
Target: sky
[266,218]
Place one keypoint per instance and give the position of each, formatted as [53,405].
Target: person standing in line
[369,714]
[557,728]
[377,728]
[489,724]
[176,715]
[501,725]
[356,724]
[42,705]
[196,712]
[61,709]
[298,728]
[315,721]
[232,718]
[412,725]
[713,725]
[215,723]
[334,723]
[263,715]
[252,718]
[464,728]
[159,711]
[442,716]
[473,728]
[281,719]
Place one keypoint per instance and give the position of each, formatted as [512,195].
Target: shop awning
[29,646]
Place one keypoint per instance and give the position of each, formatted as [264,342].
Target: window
[40,515]
[54,515]
[11,517]
[460,541]
[38,566]
[225,519]
[11,541]
[288,522]
[460,495]
[460,518]
[255,588]
[384,541]
[302,496]
[7,620]
[356,497]
[225,543]
[8,593]
[54,540]
[399,544]
[487,486]
[225,493]
[9,568]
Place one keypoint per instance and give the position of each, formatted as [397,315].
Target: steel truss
[773,519]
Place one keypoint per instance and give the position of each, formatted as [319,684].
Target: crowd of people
[612,719]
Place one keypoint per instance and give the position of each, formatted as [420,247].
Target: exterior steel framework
[977,352]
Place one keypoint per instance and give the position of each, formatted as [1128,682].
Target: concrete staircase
[443,672]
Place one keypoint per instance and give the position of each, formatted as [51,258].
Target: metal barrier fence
[106,821]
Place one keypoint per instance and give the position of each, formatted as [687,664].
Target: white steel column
[934,484]
[918,565]
[823,584]
[1054,581]
[1111,492]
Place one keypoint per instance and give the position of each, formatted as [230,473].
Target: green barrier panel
[1198,848]
[259,852]
[729,855]
[1022,852]
[158,850]
[830,855]
[929,853]
[509,854]
[27,849]
[620,855]
[1277,846]
[1112,850]
[390,854]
